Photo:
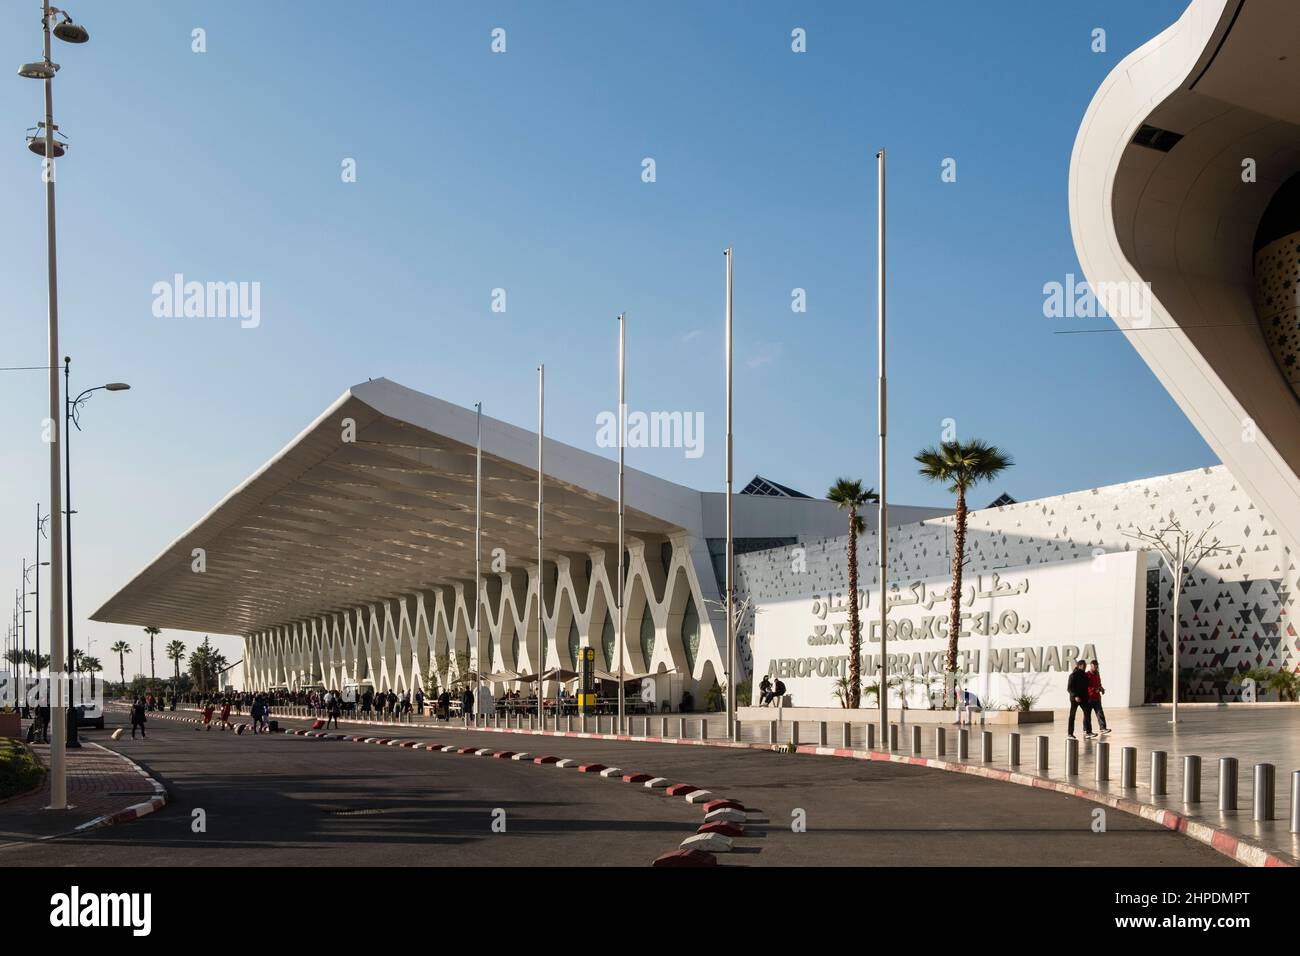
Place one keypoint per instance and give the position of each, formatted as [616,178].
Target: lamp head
[40,70]
[117,387]
[70,32]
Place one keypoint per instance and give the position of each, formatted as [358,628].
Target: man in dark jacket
[1078,689]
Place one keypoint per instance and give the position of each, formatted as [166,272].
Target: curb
[133,812]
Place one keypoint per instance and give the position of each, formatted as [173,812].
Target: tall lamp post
[72,418]
[44,69]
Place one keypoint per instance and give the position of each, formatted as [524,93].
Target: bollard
[496,720]
[1128,768]
[1227,784]
[822,737]
[846,736]
[1071,756]
[735,723]
[568,723]
[704,728]
[1013,749]
[1159,765]
[1265,774]
[681,727]
[794,733]
[1295,801]
[916,738]
[1191,779]
[1040,757]
[940,741]
[893,737]
[772,731]
[871,736]
[1103,761]
[986,746]
[963,743]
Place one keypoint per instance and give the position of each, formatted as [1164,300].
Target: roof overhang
[330,523]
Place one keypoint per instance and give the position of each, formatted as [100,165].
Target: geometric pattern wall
[1277,299]
[395,643]
[1238,611]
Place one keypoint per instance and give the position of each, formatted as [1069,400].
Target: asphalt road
[288,800]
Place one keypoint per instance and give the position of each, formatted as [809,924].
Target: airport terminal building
[350,555]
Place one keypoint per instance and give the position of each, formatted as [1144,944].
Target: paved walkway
[1252,734]
[101,785]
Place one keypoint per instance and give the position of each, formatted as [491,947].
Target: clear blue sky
[523,171]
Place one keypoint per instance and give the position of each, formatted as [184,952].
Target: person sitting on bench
[765,691]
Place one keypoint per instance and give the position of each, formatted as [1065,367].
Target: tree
[206,665]
[91,665]
[152,632]
[960,466]
[849,494]
[121,649]
[175,651]
[1181,550]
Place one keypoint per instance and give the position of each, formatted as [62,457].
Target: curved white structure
[1181,152]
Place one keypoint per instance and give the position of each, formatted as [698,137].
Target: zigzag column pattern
[398,642]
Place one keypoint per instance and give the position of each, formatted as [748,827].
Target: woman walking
[1095,690]
[137,718]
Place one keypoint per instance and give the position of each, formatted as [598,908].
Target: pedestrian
[444,705]
[765,691]
[207,715]
[1077,686]
[467,705]
[225,714]
[137,718]
[778,692]
[419,701]
[333,707]
[970,703]
[1095,690]
[255,713]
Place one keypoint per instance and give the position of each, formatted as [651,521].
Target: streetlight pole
[541,588]
[478,532]
[622,445]
[731,543]
[45,69]
[71,419]
[882,529]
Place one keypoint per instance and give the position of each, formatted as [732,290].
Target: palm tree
[77,656]
[152,632]
[175,651]
[91,665]
[961,466]
[121,649]
[849,493]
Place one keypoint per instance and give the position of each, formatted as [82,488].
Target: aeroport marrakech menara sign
[1021,629]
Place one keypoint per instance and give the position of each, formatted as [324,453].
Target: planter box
[11,725]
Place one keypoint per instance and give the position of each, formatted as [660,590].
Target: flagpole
[731,549]
[883,410]
[478,532]
[541,626]
[622,444]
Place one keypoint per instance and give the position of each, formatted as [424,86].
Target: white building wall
[1237,611]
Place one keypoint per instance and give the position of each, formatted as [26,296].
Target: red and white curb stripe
[135,811]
